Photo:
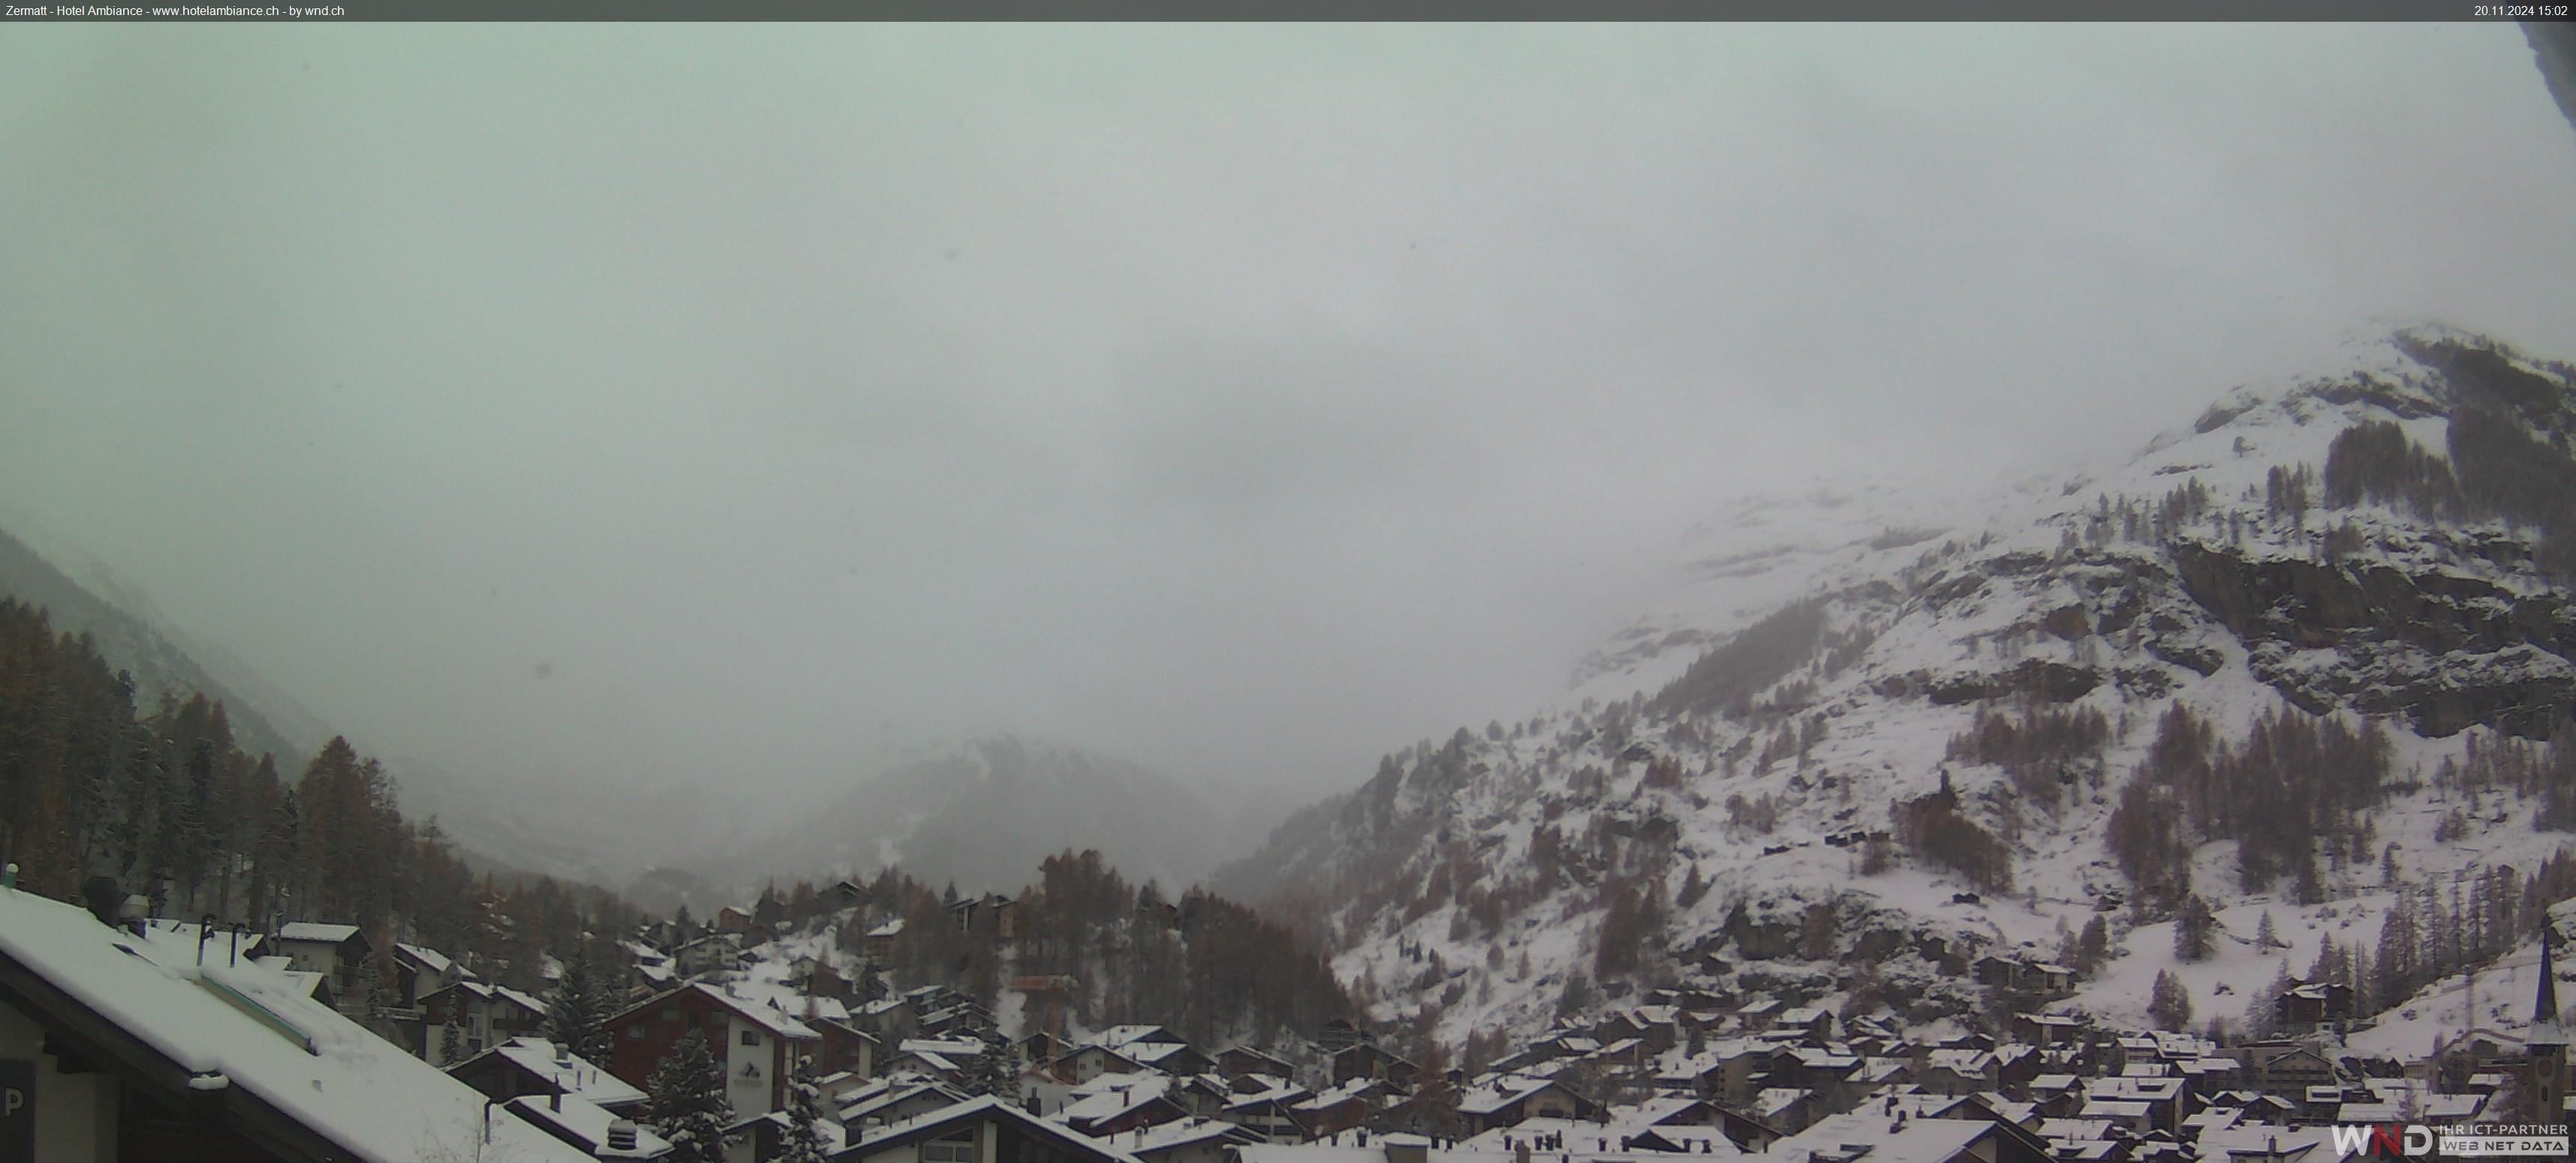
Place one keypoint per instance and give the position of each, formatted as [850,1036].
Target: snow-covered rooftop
[247,1027]
[576,1075]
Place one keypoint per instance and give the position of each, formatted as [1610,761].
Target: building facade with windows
[756,1043]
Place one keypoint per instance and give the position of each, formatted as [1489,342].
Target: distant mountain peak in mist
[981,811]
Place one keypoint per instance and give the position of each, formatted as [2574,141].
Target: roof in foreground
[350,1087]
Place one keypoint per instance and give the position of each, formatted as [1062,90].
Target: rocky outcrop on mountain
[2445,650]
[1847,755]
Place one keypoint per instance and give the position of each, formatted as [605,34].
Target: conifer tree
[451,1043]
[803,1141]
[2192,923]
[2265,938]
[2093,945]
[997,1070]
[688,1101]
[2169,1003]
[2263,1012]
[576,1014]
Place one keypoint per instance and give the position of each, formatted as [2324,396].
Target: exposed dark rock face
[2044,681]
[2446,650]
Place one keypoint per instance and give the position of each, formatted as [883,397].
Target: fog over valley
[645,438]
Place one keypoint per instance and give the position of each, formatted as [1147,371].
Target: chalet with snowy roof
[764,1137]
[484,1014]
[1206,1094]
[1251,1060]
[1341,1108]
[707,953]
[1832,1076]
[755,1043]
[420,971]
[955,1021]
[886,1101]
[1733,1071]
[943,1059]
[2267,1143]
[1814,1022]
[843,894]
[1273,1109]
[879,941]
[122,1044]
[980,1130]
[588,1128]
[1170,1057]
[2047,1029]
[1192,1140]
[337,952]
[1958,1071]
[1115,1103]
[1786,1107]
[2306,1007]
[535,1066]
[2167,1099]
[2025,975]
[1338,1034]
[1865,1135]
[1365,1060]
[1087,1062]
[1513,1098]
[733,919]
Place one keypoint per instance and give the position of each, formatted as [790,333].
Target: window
[958,1147]
[634,1031]
[750,1037]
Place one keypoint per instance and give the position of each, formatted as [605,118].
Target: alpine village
[2205,806]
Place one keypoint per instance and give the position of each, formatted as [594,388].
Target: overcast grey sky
[1248,401]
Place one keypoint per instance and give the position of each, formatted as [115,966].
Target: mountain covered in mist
[980,813]
[2245,706]
[164,660]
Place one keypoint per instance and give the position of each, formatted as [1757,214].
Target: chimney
[621,1135]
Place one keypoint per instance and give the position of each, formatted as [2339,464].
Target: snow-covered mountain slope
[1875,728]
[133,637]
[983,813]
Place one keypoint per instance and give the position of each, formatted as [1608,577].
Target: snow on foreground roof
[357,1090]
[589,1122]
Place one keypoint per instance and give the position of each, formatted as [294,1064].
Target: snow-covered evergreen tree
[803,1141]
[2169,1003]
[576,1013]
[997,1071]
[2192,923]
[689,1106]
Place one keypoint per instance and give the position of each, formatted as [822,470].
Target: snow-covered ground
[1936,589]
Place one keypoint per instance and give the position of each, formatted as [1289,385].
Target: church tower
[2546,1044]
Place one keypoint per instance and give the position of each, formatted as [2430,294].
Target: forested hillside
[165,799]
